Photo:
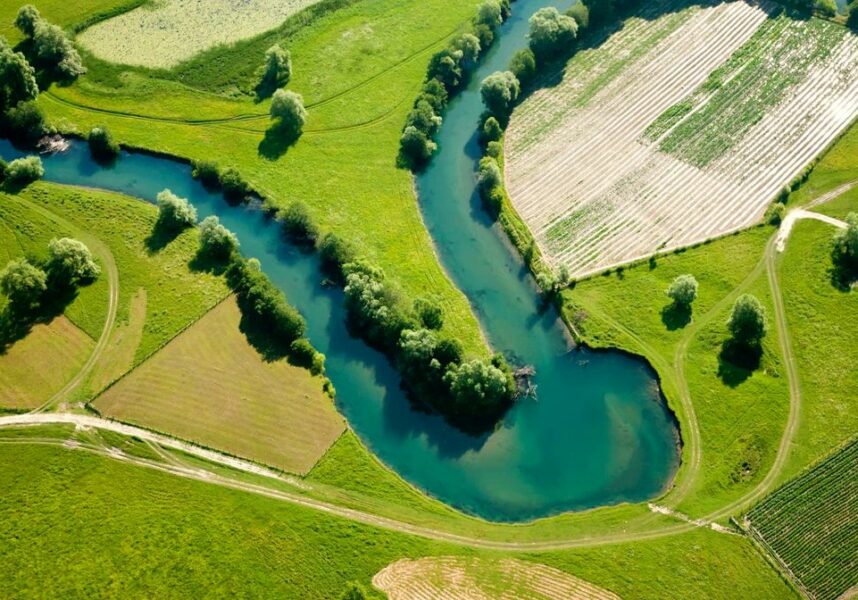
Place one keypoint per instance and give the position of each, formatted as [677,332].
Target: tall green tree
[24,284]
[17,78]
[71,260]
[748,323]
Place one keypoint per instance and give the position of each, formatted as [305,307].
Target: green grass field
[127,531]
[210,386]
[809,524]
[69,15]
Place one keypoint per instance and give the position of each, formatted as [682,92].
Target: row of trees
[26,284]
[229,180]
[447,71]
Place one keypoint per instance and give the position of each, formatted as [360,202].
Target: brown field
[210,386]
[458,578]
[38,366]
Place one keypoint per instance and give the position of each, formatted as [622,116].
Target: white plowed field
[679,128]
[454,578]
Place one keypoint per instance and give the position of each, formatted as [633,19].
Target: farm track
[630,200]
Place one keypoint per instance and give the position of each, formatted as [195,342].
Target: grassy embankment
[159,535]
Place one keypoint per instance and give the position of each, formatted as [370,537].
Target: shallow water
[597,433]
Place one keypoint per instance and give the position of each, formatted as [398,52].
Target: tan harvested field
[210,386]
[167,32]
[458,578]
[37,366]
[679,128]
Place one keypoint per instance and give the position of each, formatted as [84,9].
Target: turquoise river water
[598,431]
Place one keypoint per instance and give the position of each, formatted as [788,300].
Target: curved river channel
[597,433]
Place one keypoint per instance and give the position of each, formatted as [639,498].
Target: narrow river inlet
[598,431]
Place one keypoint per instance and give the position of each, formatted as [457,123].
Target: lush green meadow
[69,15]
[122,530]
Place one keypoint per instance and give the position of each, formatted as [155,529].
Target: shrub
[335,253]
[551,32]
[581,14]
[234,186]
[24,284]
[288,108]
[206,171]
[490,131]
[775,214]
[102,145]
[683,290]
[25,170]
[415,147]
[303,354]
[826,8]
[489,175]
[216,241]
[17,78]
[747,323]
[429,312]
[844,252]
[494,149]
[25,122]
[373,306]
[276,70]
[298,225]
[423,118]
[500,90]
[71,261]
[489,14]
[174,212]
[523,66]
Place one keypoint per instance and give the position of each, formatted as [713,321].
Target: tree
[25,170]
[499,91]
[102,145]
[17,78]
[415,147]
[477,387]
[435,94]
[551,32]
[446,67]
[581,14]
[175,213]
[423,118]
[489,14]
[491,131]
[216,240]
[469,45]
[55,50]
[747,323]
[298,225]
[489,175]
[429,312]
[207,172]
[233,184]
[276,70]
[25,122]
[24,284]
[844,252]
[335,253]
[852,21]
[523,66]
[683,291]
[27,19]
[71,261]
[288,107]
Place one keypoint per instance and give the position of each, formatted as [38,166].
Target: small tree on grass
[175,213]
[216,241]
[54,48]
[23,283]
[429,312]
[415,147]
[500,90]
[102,145]
[747,323]
[288,108]
[71,261]
[551,32]
[233,184]
[298,224]
[683,291]
[25,170]
[27,19]
[844,252]
[277,69]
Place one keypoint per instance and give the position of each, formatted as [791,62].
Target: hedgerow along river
[597,432]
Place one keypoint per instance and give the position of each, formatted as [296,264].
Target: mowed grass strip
[210,386]
[38,366]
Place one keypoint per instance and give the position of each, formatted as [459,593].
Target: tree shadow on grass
[161,236]
[843,278]
[16,322]
[258,335]
[675,316]
[277,141]
[206,262]
[738,361]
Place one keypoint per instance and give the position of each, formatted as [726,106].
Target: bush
[234,186]
[17,78]
[489,14]
[71,261]
[429,312]
[747,323]
[288,108]
[683,290]
[489,175]
[500,90]
[298,225]
[263,303]
[174,212]
[276,70]
[102,145]
[826,8]
[415,147]
[25,170]
[494,149]
[206,171]
[581,14]
[24,122]
[490,131]
[303,354]
[844,252]
[523,66]
[551,33]
[435,94]
[478,389]
[775,214]
[335,253]
[216,241]
[423,118]
[24,284]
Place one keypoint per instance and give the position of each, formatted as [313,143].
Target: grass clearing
[167,32]
[210,386]
[809,525]
[38,366]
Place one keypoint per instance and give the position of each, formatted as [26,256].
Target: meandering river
[598,431]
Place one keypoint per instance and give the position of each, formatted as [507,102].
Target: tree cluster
[102,146]
[234,187]
[51,47]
